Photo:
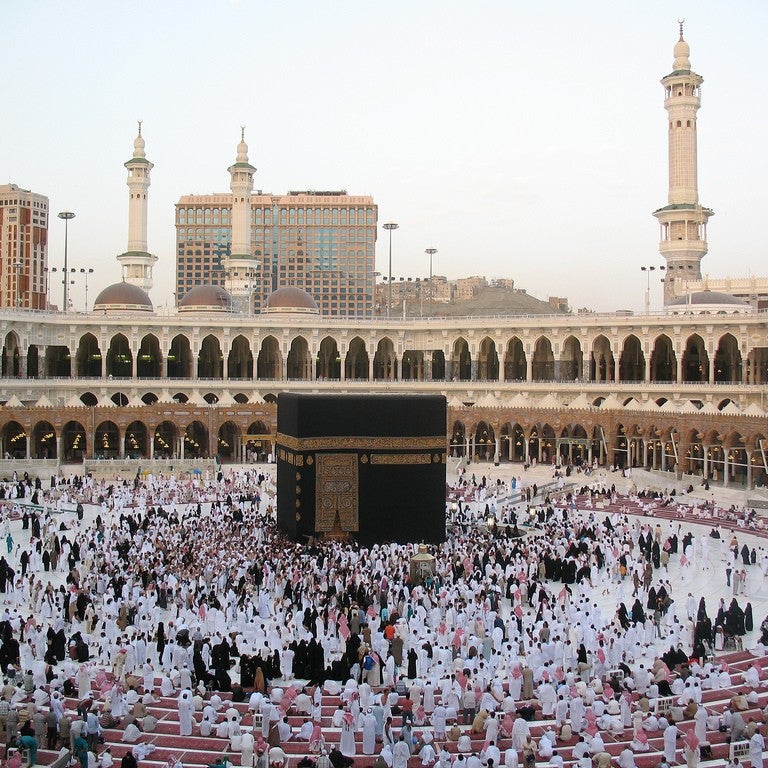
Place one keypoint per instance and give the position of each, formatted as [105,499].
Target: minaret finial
[242,133]
[680,23]
[140,122]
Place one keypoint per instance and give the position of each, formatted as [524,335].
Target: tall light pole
[86,272]
[648,271]
[431,252]
[389,226]
[66,215]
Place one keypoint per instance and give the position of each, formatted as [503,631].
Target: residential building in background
[23,247]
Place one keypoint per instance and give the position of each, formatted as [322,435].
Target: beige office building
[321,242]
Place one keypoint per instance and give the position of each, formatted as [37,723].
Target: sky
[523,140]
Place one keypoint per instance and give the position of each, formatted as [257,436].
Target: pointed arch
[515,363]
[695,360]
[149,362]
[119,363]
[663,360]
[487,361]
[269,363]
[88,357]
[543,360]
[356,361]
[328,365]
[180,358]
[299,361]
[461,360]
[210,360]
[571,360]
[385,361]
[632,360]
[728,361]
[602,366]
[240,359]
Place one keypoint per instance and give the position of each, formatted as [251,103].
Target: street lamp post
[648,271]
[66,215]
[389,226]
[431,252]
[86,272]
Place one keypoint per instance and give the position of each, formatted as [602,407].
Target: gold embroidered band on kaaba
[431,443]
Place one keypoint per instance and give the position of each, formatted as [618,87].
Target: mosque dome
[709,302]
[122,297]
[290,301]
[206,298]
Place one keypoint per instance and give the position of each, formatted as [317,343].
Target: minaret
[137,262]
[240,264]
[683,220]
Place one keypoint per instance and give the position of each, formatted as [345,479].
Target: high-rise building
[683,220]
[23,247]
[322,242]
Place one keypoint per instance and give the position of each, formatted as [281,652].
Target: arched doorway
[88,357]
[328,365]
[632,360]
[166,439]
[458,440]
[728,360]
[210,361]
[195,441]
[663,360]
[240,359]
[258,442]
[149,363]
[356,361]
[106,441]
[180,358]
[44,441]
[228,446]
[74,443]
[119,358]
[299,361]
[384,361]
[488,361]
[695,360]
[14,441]
[571,360]
[543,368]
[602,365]
[136,441]
[11,356]
[461,361]
[515,364]
[269,363]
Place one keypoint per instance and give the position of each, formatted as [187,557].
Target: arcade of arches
[722,447]
[632,358]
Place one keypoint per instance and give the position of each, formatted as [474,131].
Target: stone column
[498,448]
[473,370]
[704,461]
[529,367]
[748,454]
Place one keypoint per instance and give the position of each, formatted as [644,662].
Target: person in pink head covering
[691,750]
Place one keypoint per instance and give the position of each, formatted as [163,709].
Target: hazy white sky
[521,139]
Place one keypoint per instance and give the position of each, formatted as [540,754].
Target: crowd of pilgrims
[192,582]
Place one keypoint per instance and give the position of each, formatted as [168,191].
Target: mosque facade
[682,391]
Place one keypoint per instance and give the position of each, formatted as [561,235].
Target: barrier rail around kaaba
[106,468]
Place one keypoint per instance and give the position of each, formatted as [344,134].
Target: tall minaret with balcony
[137,262]
[240,263]
[683,220]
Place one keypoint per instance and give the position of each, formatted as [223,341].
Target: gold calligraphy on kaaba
[401,458]
[336,492]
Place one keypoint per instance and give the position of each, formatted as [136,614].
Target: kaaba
[366,467]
